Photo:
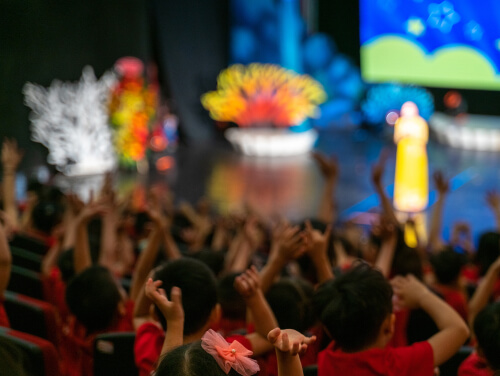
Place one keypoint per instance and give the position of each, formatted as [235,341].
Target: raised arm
[442,185]
[172,311]
[493,200]
[287,244]
[330,171]
[288,344]
[484,291]
[377,172]
[317,248]
[389,237]
[453,331]
[11,157]
[5,261]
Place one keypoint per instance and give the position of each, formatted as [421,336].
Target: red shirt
[149,340]
[4,319]
[474,365]
[455,298]
[417,359]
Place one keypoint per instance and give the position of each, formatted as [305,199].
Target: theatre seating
[25,354]
[311,370]
[26,282]
[29,244]
[26,259]
[114,354]
[32,316]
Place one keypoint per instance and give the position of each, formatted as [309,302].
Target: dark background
[41,40]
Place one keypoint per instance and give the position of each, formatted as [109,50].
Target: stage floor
[292,186]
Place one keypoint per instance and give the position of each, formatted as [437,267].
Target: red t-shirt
[149,340]
[399,339]
[455,298]
[417,359]
[77,346]
[4,319]
[54,291]
[474,365]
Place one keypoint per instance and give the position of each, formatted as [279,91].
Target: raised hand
[289,341]
[316,241]
[288,243]
[442,184]
[378,169]
[409,291]
[11,155]
[328,166]
[248,283]
[171,309]
[493,199]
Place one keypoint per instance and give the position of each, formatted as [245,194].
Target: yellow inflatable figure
[411,186]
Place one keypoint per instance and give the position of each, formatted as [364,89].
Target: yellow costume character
[411,188]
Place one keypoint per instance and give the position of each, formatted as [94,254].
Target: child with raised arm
[356,310]
[201,310]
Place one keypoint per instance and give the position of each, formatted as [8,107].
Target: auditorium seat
[26,259]
[311,370]
[25,354]
[114,354]
[28,243]
[32,316]
[26,282]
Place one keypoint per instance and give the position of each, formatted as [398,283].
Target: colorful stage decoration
[383,102]
[411,133]
[266,101]
[71,120]
[282,32]
[131,110]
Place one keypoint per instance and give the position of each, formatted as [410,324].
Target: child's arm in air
[248,285]
[330,170]
[442,185]
[11,157]
[317,248]
[5,261]
[483,292]
[172,311]
[453,331]
[288,343]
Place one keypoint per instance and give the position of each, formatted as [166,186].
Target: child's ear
[215,315]
[392,326]
[122,311]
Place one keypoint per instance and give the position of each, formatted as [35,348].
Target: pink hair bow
[228,356]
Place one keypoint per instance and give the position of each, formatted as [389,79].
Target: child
[5,267]
[200,309]
[356,310]
[202,358]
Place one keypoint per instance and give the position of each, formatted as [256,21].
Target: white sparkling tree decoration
[71,120]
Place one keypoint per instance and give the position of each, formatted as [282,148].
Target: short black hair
[487,331]
[213,259]
[190,360]
[407,261]
[199,290]
[46,215]
[353,307]
[488,250]
[447,265]
[93,297]
[290,300]
[232,303]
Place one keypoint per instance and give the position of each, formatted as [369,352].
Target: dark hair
[407,261]
[290,300]
[93,297]
[46,215]
[232,303]
[213,259]
[353,307]
[190,360]
[199,290]
[488,250]
[487,330]
[447,265]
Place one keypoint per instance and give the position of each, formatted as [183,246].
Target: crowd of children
[242,294]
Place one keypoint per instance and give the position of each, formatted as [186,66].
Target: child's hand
[409,291]
[442,184]
[378,169]
[316,241]
[287,242]
[289,341]
[248,283]
[171,309]
[328,166]
[11,155]
[493,200]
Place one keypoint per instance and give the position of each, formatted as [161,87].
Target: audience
[245,294]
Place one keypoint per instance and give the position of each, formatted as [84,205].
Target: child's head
[487,331]
[232,303]
[94,297]
[190,360]
[356,308]
[199,291]
[212,356]
[290,300]
[46,215]
[447,266]
[488,250]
